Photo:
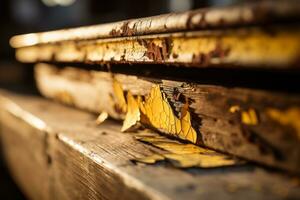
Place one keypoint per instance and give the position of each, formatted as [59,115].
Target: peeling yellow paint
[289,117]
[250,47]
[249,117]
[120,100]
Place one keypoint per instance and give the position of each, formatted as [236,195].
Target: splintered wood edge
[239,15]
[93,90]
[244,47]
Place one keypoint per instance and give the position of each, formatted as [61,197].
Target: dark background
[25,16]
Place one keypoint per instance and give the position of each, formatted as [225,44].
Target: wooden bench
[56,152]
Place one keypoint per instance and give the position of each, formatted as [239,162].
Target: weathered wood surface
[274,47]
[270,140]
[55,152]
[262,13]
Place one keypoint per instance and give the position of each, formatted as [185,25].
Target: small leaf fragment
[183,155]
[234,109]
[199,160]
[249,117]
[179,148]
[120,100]
[152,159]
[133,113]
[101,118]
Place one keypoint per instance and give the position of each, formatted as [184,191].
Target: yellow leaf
[152,159]
[157,112]
[133,113]
[179,148]
[234,109]
[101,118]
[183,155]
[120,101]
[186,128]
[249,117]
[199,160]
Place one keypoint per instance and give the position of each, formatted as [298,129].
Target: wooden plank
[85,161]
[25,151]
[218,113]
[262,13]
[235,48]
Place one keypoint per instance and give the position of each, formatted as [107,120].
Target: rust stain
[175,55]
[201,23]
[219,52]
[154,52]
[238,47]
[125,30]
[157,52]
[232,16]
[201,58]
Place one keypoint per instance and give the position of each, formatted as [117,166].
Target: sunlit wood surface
[56,152]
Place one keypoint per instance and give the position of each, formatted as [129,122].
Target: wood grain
[61,149]
[269,141]
[85,161]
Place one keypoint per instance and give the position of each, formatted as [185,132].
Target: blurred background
[25,16]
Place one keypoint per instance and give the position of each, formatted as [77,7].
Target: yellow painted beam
[245,47]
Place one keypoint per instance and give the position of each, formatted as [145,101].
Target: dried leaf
[101,118]
[120,100]
[183,155]
[199,160]
[157,112]
[152,159]
[152,140]
[249,117]
[179,148]
[234,109]
[133,113]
